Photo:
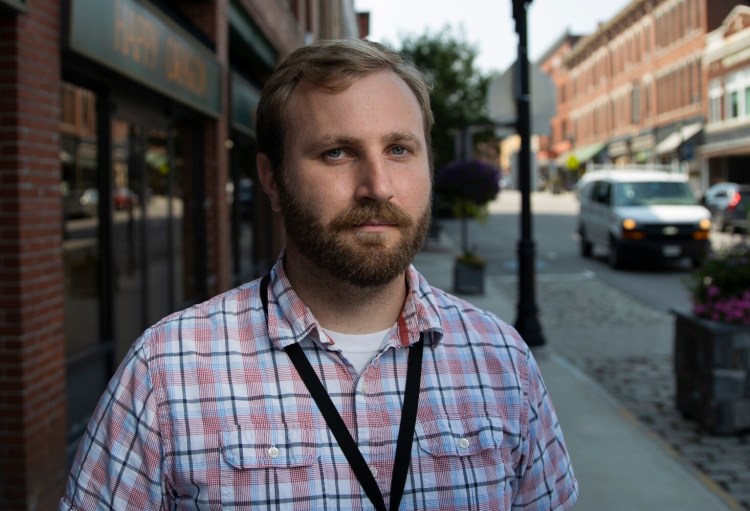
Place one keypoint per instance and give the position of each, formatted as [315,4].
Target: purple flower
[471,181]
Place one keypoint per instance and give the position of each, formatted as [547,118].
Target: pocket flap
[268,448]
[459,437]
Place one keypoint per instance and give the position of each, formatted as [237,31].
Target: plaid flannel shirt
[207,412]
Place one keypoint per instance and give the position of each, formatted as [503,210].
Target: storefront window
[241,197]
[148,229]
[79,193]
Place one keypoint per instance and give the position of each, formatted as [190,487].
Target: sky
[487,24]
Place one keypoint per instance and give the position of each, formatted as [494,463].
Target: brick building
[636,89]
[127,191]
[557,143]
[725,152]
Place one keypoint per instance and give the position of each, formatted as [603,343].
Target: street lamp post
[527,322]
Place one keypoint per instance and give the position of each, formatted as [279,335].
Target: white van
[641,213]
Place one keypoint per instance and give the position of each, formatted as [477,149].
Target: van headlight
[703,228]
[630,230]
[629,224]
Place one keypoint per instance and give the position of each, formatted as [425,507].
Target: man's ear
[268,181]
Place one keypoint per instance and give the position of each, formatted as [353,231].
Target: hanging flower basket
[468,186]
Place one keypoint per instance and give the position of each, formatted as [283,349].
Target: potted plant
[467,186]
[712,343]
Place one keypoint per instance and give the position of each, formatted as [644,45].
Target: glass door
[242,192]
[148,228]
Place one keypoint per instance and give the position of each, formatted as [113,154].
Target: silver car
[717,198]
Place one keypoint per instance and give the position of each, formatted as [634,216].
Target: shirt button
[374,471]
[463,443]
[273,452]
[364,387]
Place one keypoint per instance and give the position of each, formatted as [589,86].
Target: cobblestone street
[592,326]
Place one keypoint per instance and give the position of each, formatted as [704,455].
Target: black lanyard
[339,429]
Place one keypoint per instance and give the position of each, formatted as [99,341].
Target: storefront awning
[579,156]
[740,146]
[673,141]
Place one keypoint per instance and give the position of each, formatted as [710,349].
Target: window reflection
[79,192]
[80,197]
[147,229]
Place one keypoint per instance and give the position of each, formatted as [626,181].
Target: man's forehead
[310,99]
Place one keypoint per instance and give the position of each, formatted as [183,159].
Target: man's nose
[374,180]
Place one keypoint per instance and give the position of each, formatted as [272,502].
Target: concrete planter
[468,278]
[712,364]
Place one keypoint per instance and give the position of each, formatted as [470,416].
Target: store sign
[245,99]
[135,39]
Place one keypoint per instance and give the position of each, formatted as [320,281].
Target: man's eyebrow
[402,137]
[329,141]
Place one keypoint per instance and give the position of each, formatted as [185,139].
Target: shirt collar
[290,320]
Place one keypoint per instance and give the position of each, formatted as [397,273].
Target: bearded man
[342,379]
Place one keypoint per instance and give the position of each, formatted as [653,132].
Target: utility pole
[527,321]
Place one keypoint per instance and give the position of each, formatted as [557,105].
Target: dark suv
[736,216]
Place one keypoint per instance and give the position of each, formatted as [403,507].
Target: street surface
[599,316]
[554,232]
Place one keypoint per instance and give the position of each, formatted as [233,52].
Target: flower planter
[468,278]
[712,364]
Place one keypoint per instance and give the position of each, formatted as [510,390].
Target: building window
[738,95]
[734,105]
[714,101]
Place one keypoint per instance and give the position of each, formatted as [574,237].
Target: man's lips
[374,226]
[376,223]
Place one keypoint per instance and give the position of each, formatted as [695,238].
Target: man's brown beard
[363,260]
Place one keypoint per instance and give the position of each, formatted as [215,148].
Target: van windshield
[651,193]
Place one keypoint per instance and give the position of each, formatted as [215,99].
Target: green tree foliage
[459,87]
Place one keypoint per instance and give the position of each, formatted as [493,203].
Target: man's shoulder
[227,314]
[457,315]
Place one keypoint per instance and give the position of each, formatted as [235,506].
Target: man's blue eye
[334,153]
[399,150]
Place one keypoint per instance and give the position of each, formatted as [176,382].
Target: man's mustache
[372,211]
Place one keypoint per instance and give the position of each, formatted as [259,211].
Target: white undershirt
[359,349]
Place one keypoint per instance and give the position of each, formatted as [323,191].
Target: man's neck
[340,306]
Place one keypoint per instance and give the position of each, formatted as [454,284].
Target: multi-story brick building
[725,152]
[560,141]
[636,87]
[127,190]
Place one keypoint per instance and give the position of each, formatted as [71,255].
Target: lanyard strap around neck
[341,432]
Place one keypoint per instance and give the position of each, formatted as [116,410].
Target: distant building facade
[560,140]
[725,151]
[635,89]
[128,190]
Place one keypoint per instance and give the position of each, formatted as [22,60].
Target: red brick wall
[32,350]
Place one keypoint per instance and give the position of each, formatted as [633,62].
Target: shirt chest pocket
[276,465]
[471,455]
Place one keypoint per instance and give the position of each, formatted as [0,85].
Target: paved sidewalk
[619,463]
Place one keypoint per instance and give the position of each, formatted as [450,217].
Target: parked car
[124,198]
[79,203]
[717,198]
[642,214]
[736,215]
